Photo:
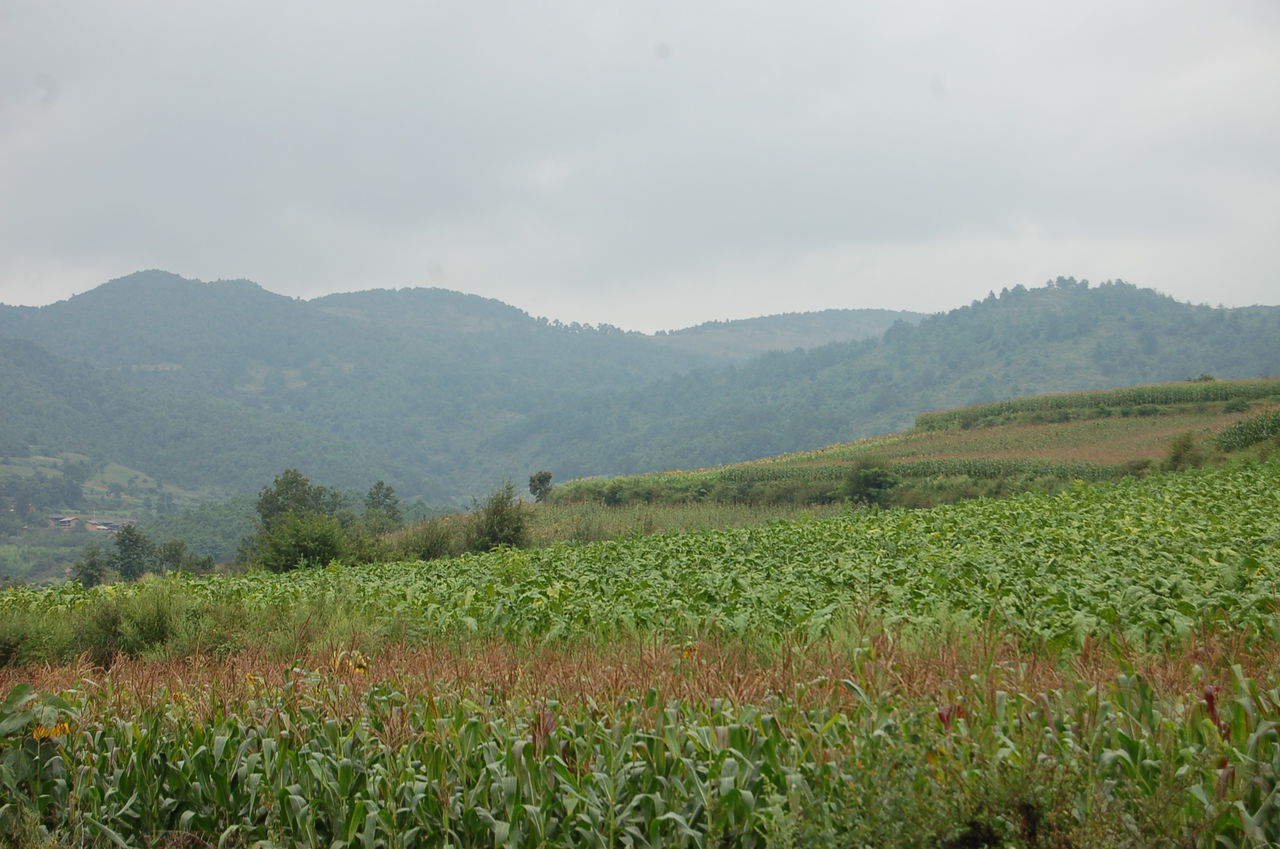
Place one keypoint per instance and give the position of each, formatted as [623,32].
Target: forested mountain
[53,406]
[222,385]
[1065,336]
[403,385]
[741,340]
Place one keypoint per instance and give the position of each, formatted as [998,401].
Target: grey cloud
[602,160]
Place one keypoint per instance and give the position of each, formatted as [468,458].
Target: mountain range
[219,386]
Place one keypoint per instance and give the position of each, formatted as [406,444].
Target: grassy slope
[1111,435]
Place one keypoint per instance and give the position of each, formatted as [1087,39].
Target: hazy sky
[647,164]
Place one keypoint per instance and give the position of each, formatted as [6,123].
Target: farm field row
[302,756]
[1030,443]
[1091,669]
[1147,559]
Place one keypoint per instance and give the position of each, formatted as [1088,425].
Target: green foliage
[296,540]
[427,539]
[1110,765]
[1148,560]
[501,521]
[93,567]
[869,485]
[1250,431]
[292,492]
[213,530]
[382,509]
[174,556]
[540,485]
[1135,400]
[1183,453]
[134,554]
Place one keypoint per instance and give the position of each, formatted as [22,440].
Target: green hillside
[56,406]
[1067,336]
[1040,442]
[417,379]
[219,386]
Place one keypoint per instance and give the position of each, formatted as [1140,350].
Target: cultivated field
[1092,668]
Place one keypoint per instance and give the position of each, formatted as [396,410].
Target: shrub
[868,486]
[132,624]
[1183,453]
[429,539]
[310,539]
[501,520]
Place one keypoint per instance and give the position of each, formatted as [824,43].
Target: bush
[1183,453]
[310,539]
[502,520]
[868,486]
[429,539]
[131,625]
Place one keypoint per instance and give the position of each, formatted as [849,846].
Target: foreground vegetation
[1148,560]
[1095,668]
[317,758]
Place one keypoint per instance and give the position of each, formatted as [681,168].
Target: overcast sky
[649,164]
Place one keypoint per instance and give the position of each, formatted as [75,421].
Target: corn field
[1157,394]
[302,753]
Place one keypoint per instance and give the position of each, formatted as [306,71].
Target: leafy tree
[502,520]
[382,509]
[540,485]
[93,567]
[174,556]
[292,492]
[297,540]
[135,555]
[869,486]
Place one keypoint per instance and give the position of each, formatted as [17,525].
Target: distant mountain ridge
[1066,336]
[411,380]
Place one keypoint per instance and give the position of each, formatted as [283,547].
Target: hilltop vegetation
[445,395]
[1067,336]
[407,383]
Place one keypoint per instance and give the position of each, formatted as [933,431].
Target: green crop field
[1026,444]
[1091,668]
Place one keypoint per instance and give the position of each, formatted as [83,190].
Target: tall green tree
[134,554]
[540,485]
[93,567]
[299,523]
[382,509]
[292,492]
[300,540]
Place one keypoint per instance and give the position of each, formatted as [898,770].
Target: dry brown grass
[604,675]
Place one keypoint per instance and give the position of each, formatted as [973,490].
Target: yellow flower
[42,732]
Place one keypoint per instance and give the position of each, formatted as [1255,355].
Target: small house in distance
[110,526]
